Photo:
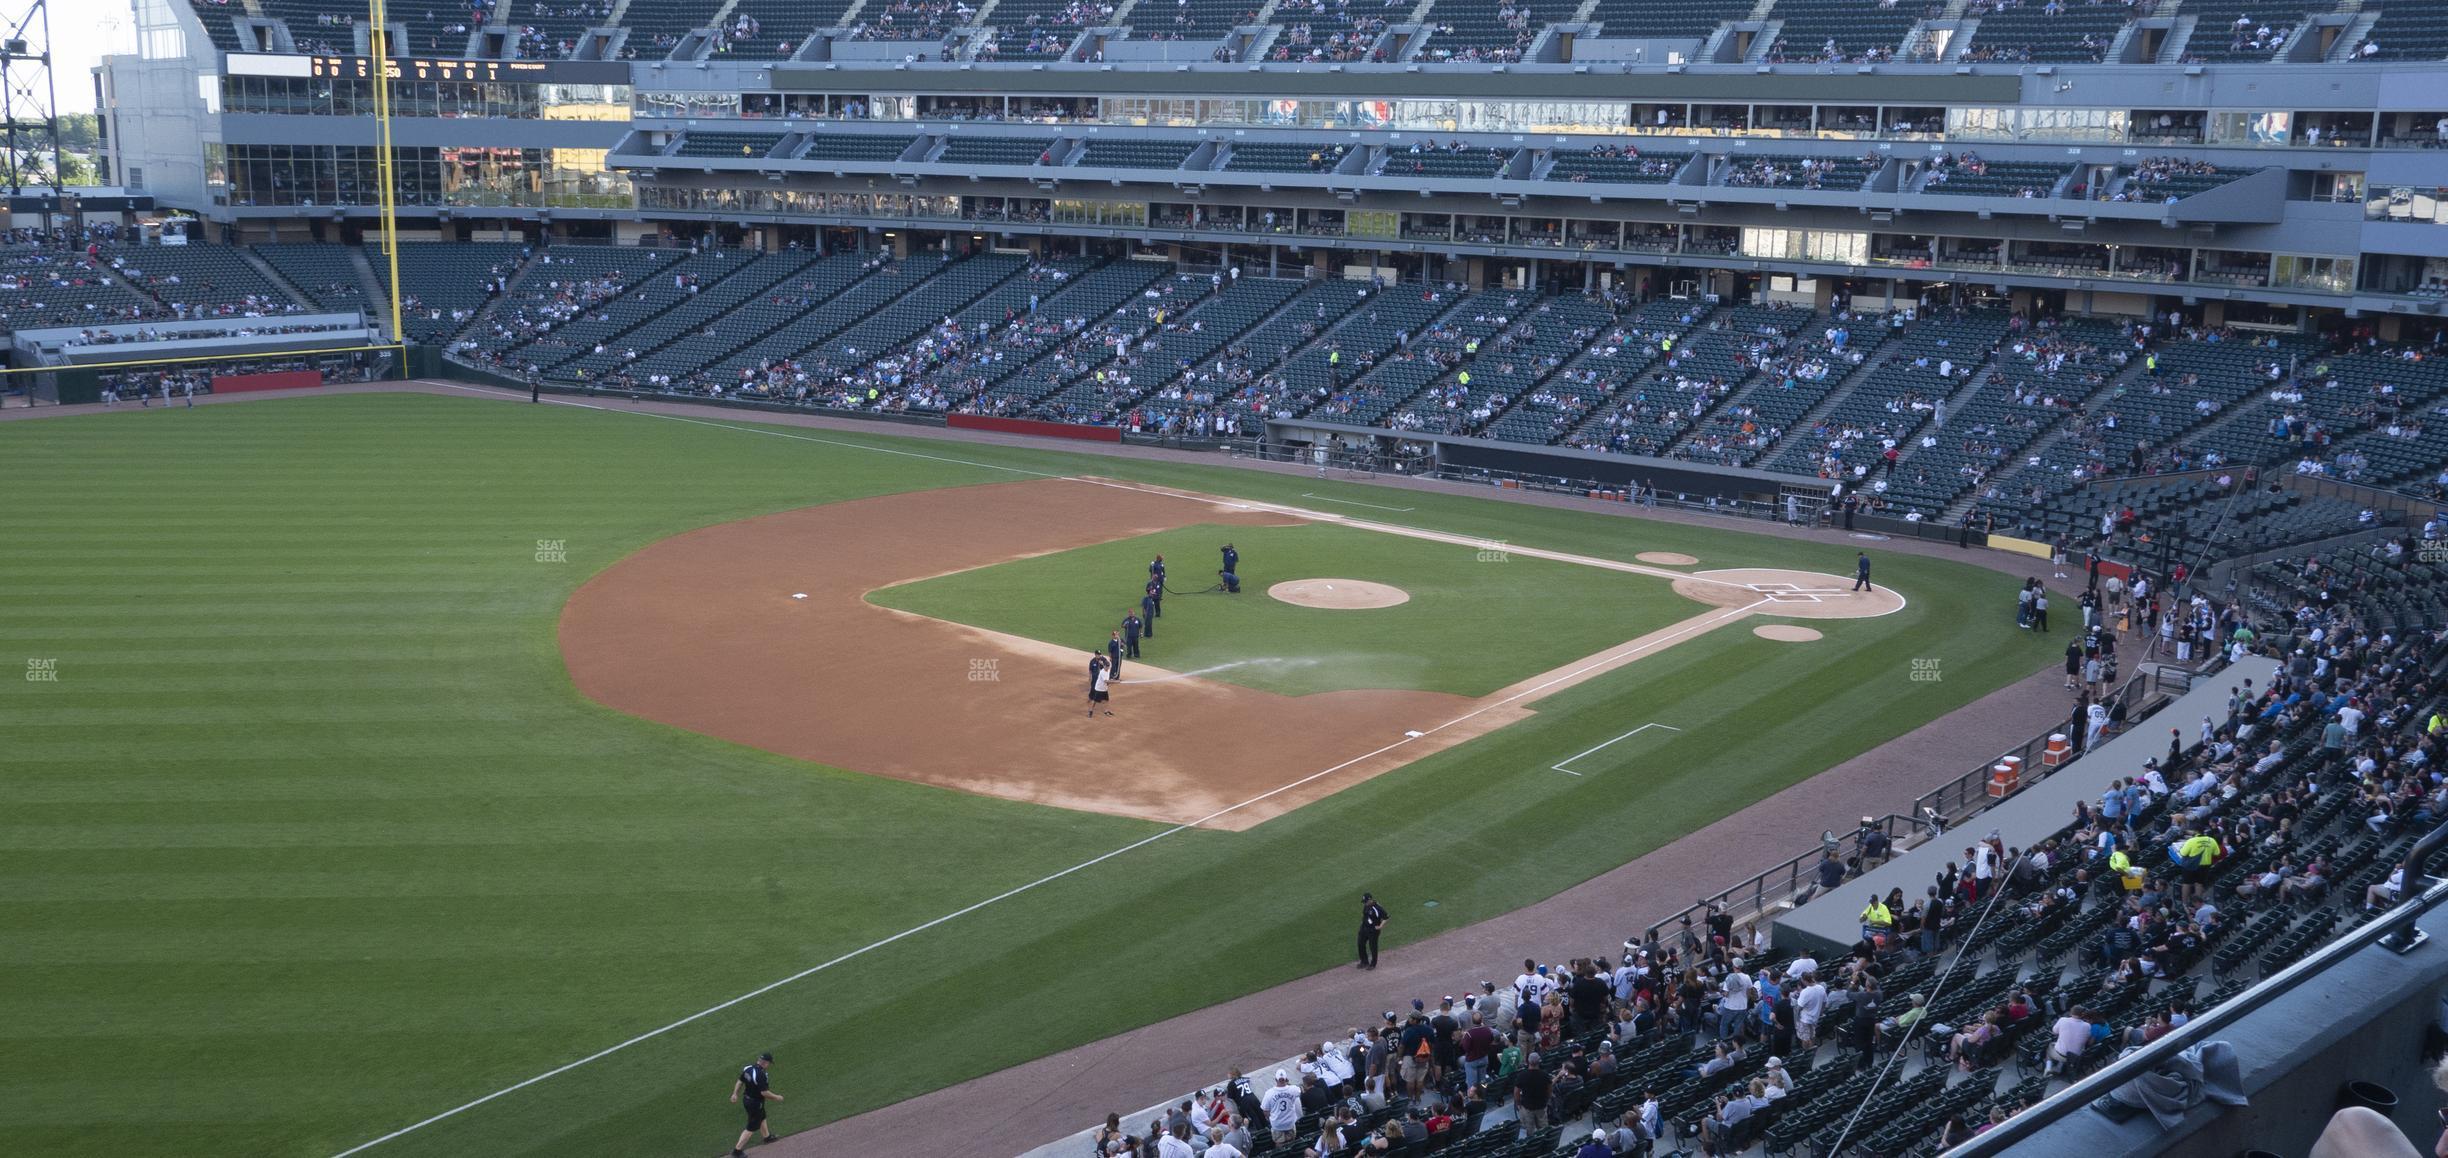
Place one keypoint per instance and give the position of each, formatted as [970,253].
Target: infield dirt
[705,631]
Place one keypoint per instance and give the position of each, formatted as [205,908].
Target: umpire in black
[1372,922]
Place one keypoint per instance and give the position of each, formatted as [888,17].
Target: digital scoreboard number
[444,68]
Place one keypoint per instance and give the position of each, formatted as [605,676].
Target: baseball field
[460,777]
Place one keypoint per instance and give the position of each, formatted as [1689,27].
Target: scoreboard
[438,68]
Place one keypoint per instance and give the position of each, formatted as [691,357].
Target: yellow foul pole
[383,170]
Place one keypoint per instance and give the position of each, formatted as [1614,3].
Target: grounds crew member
[1130,634]
[1155,593]
[1232,559]
[1113,655]
[1156,569]
[1147,608]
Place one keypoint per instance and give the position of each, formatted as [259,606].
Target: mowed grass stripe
[457,888]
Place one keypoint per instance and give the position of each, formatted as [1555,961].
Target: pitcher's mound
[1786,632]
[1338,594]
[1666,558]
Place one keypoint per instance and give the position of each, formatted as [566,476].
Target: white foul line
[1354,503]
[1560,764]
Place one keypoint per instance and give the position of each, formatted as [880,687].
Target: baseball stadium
[1270,579]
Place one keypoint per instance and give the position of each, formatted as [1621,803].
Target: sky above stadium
[81,34]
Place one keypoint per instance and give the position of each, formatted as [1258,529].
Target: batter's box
[1790,596]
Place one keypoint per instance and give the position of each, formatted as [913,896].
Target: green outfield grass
[311,838]
[1479,619]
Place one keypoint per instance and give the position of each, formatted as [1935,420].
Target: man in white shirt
[1734,1005]
[1217,1147]
[1175,1144]
[1809,1005]
[1282,1106]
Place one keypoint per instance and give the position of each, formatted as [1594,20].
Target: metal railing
[1968,796]
[2394,929]
[1796,880]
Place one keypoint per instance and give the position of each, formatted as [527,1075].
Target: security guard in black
[751,1092]
[1372,922]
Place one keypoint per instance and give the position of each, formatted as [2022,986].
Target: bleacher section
[1251,377]
[2027,30]
[1832,173]
[698,357]
[1667,19]
[201,280]
[1651,391]
[1805,374]
[330,26]
[1615,166]
[865,147]
[42,287]
[1194,19]
[2164,179]
[1934,359]
[802,328]
[657,26]
[2038,379]
[1589,391]
[1475,30]
[1968,176]
[1283,157]
[2226,30]
[1841,30]
[1120,153]
[1445,164]
[563,284]
[326,274]
[909,20]
[1450,343]
[740,146]
[597,340]
[781,24]
[971,150]
[1543,334]
[551,29]
[442,286]
[1121,301]
[2409,30]
[1324,30]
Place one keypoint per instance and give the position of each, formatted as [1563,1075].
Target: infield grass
[311,838]
[1478,619]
